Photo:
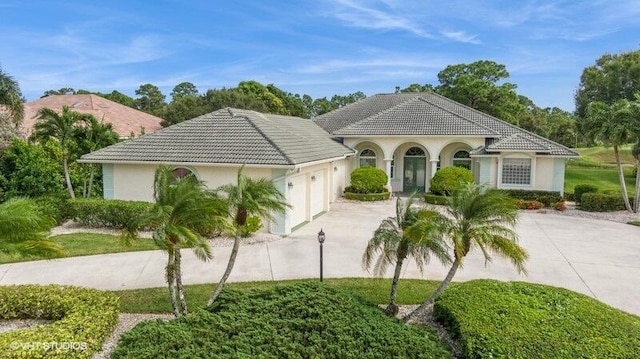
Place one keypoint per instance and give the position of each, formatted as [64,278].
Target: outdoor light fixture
[321,239]
[335,169]
[313,178]
[290,185]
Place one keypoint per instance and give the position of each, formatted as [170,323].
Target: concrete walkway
[597,258]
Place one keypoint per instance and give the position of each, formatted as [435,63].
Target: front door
[414,174]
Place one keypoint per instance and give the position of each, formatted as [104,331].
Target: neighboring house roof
[430,114]
[124,119]
[229,136]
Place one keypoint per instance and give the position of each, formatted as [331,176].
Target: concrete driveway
[598,258]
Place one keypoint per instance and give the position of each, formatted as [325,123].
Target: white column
[434,167]
[387,170]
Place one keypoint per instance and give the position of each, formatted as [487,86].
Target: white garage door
[298,200]
[317,192]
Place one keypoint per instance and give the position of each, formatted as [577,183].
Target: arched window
[462,159]
[367,158]
[415,152]
[180,172]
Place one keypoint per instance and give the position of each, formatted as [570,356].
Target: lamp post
[321,238]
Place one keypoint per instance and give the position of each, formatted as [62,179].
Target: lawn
[85,244]
[374,290]
[596,166]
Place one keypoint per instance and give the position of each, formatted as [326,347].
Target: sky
[319,47]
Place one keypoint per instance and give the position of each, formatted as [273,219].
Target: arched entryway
[415,170]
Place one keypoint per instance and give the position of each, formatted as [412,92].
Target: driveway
[598,258]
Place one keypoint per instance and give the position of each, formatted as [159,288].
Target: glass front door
[414,174]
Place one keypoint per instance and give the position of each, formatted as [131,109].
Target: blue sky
[320,47]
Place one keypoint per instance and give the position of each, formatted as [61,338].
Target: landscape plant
[367,180]
[181,206]
[447,179]
[475,217]
[247,198]
[392,243]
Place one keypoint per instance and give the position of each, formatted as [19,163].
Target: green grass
[374,290]
[85,244]
[634,223]
[606,179]
[604,155]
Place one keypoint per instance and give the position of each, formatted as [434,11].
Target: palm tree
[613,125]
[248,197]
[94,135]
[182,206]
[476,217]
[393,242]
[61,127]
[23,230]
[11,97]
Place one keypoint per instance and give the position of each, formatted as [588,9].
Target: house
[410,136]
[305,164]
[125,120]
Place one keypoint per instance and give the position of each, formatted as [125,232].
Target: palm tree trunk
[67,178]
[170,273]
[182,302]
[392,308]
[91,175]
[636,197]
[227,272]
[429,301]
[623,185]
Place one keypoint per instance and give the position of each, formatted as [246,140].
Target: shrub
[581,189]
[368,197]
[110,213]
[493,319]
[547,198]
[83,318]
[367,180]
[569,196]
[601,202]
[560,206]
[253,225]
[523,204]
[435,199]
[54,207]
[445,181]
[297,321]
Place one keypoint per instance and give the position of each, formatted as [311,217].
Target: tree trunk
[182,302]
[65,169]
[636,197]
[623,185]
[170,273]
[227,272]
[429,301]
[392,308]
[91,175]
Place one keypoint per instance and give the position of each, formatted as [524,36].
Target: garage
[318,192]
[298,199]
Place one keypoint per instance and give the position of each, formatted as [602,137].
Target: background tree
[613,125]
[60,127]
[62,91]
[150,99]
[475,217]
[613,77]
[415,87]
[23,230]
[184,89]
[11,98]
[91,136]
[182,206]
[392,243]
[248,197]
[120,98]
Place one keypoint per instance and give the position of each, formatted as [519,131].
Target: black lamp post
[321,238]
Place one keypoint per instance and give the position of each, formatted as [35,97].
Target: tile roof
[229,136]
[430,114]
[124,119]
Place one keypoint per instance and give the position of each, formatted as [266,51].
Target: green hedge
[297,321]
[110,213]
[435,199]
[367,197]
[547,198]
[83,319]
[493,319]
[368,180]
[54,207]
[445,181]
[525,204]
[601,202]
[581,189]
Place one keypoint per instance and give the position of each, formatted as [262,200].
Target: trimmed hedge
[581,189]
[83,319]
[445,181]
[435,199]
[547,198]
[601,202]
[110,213]
[493,319]
[367,197]
[368,180]
[53,207]
[523,204]
[307,320]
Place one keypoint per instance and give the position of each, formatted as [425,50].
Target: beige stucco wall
[542,171]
